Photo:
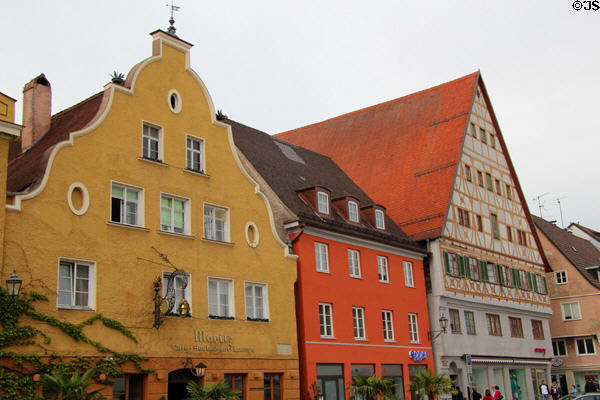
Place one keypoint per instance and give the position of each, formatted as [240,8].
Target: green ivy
[17,370]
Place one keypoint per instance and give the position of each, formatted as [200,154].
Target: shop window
[128,387]
[330,381]
[272,386]
[365,370]
[394,372]
[236,382]
[413,370]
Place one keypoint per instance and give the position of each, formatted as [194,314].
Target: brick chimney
[37,108]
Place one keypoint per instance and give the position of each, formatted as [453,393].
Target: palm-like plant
[70,386]
[431,385]
[220,391]
[369,388]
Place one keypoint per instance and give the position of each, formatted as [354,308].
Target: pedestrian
[476,395]
[498,394]
[590,386]
[488,395]
[573,389]
[544,391]
[554,391]
[459,395]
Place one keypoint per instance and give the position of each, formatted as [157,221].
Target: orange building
[360,294]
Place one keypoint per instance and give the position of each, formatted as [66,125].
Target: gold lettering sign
[214,343]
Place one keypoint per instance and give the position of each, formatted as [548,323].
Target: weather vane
[171,28]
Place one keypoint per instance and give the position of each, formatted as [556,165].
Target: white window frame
[220,290]
[251,303]
[560,277]
[322,202]
[159,141]
[321,257]
[139,217]
[409,279]
[387,318]
[565,346]
[358,323]
[570,304]
[325,326]
[413,327]
[383,271]
[91,289]
[209,225]
[585,338]
[352,211]
[193,151]
[187,292]
[186,214]
[379,219]
[354,263]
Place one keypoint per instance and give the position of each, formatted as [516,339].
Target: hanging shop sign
[417,355]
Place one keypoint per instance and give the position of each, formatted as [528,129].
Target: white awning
[509,361]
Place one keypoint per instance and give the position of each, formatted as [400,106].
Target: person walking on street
[544,391]
[573,389]
[498,394]
[488,395]
[590,386]
[554,391]
[476,395]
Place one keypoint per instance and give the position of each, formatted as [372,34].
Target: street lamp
[13,286]
[443,324]
[199,370]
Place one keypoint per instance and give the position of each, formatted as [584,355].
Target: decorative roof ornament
[171,29]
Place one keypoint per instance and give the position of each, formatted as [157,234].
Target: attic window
[379,219]
[353,211]
[323,202]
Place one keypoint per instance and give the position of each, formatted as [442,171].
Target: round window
[78,198]
[174,100]
[252,234]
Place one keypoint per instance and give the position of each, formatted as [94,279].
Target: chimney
[37,108]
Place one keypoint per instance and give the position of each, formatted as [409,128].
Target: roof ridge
[58,114]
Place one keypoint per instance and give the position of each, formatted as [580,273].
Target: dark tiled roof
[580,252]
[26,169]
[288,168]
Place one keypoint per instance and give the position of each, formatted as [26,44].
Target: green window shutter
[500,274]
[530,280]
[545,285]
[467,267]
[535,283]
[518,275]
[446,262]
[483,270]
[461,265]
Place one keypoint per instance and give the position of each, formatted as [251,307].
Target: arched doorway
[178,380]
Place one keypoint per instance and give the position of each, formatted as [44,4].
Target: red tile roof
[408,151]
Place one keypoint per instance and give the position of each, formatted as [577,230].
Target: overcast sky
[278,65]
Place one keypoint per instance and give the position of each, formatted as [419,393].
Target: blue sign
[417,355]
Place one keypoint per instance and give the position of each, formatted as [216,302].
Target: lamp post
[443,324]
[13,287]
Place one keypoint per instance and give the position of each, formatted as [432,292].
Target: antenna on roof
[558,199]
[171,29]
[540,204]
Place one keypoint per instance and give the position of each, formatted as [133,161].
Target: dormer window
[352,211]
[323,202]
[379,219]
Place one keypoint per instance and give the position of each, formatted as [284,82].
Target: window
[522,237]
[75,280]
[454,321]
[379,219]
[352,211]
[382,269]
[488,180]
[479,224]
[413,328]
[272,384]
[181,291]
[524,279]
[498,187]
[236,382]
[541,284]
[508,192]
[473,130]
[220,296]
[559,347]
[323,202]
[216,223]
[195,154]
[491,272]
[325,320]
[495,230]
[470,323]
[516,327]
[468,173]
[388,325]
[451,264]
[330,381]
[394,372]
[256,301]
[585,346]
[483,136]
[492,140]
[151,137]
[354,263]
[538,329]
[479,178]
[474,269]
[408,274]
[507,276]
[570,311]
[321,257]
[125,202]
[128,387]
[509,233]
[463,217]
[358,321]
[493,322]
[173,214]
[560,277]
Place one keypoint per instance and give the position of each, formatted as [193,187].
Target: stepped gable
[288,168]
[26,168]
[580,252]
[409,145]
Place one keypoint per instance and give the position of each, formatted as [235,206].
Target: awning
[509,361]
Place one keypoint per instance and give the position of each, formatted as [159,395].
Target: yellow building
[134,192]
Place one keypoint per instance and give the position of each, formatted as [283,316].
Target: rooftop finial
[171,28]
